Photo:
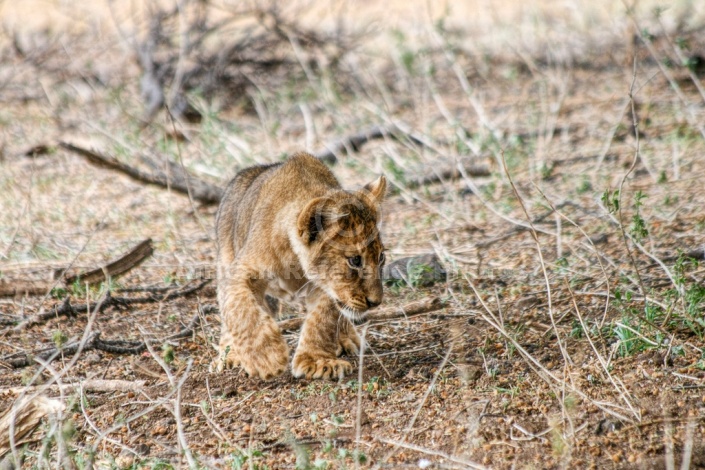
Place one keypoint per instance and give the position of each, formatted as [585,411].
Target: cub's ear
[311,220]
[377,189]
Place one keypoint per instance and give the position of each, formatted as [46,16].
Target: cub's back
[257,194]
[236,208]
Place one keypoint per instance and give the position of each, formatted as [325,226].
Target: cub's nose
[372,303]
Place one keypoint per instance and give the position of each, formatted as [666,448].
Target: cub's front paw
[348,343]
[268,362]
[319,367]
[263,359]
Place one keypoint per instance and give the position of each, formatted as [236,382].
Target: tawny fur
[290,231]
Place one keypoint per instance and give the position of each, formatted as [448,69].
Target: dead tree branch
[89,385]
[22,418]
[22,359]
[354,142]
[124,263]
[176,178]
[23,288]
[219,53]
[65,309]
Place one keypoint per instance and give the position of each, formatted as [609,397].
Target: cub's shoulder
[245,177]
[303,167]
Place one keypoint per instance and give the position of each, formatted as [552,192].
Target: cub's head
[344,252]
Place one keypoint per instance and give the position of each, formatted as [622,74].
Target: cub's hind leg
[249,338]
[316,354]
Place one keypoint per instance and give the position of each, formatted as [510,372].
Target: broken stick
[22,418]
[177,178]
[126,262]
[65,309]
[23,288]
[129,260]
[390,313]
[89,385]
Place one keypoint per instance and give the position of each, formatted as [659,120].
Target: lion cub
[290,231]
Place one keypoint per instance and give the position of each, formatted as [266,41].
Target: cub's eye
[355,262]
[382,258]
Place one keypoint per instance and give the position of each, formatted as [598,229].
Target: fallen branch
[354,142]
[91,385]
[23,418]
[23,288]
[451,173]
[188,329]
[19,360]
[94,341]
[411,309]
[65,309]
[126,262]
[391,313]
[175,178]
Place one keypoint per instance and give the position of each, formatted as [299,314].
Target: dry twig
[176,178]
[124,263]
[65,309]
[392,313]
[22,418]
[89,385]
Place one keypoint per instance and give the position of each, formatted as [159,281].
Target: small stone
[143,449]
[599,239]
[159,430]
[125,459]
[93,358]
[416,271]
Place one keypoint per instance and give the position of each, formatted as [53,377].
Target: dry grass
[574,331]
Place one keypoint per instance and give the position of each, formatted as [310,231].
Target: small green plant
[205,406]
[511,391]
[638,229]
[168,353]
[394,170]
[585,186]
[687,300]
[694,300]
[628,333]
[417,274]
[79,288]
[670,200]
[337,420]
[59,338]
[611,200]
[59,293]
[547,171]
[576,329]
[247,459]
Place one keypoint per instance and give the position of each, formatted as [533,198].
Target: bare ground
[573,341]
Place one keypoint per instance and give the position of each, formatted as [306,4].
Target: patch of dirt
[572,333]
